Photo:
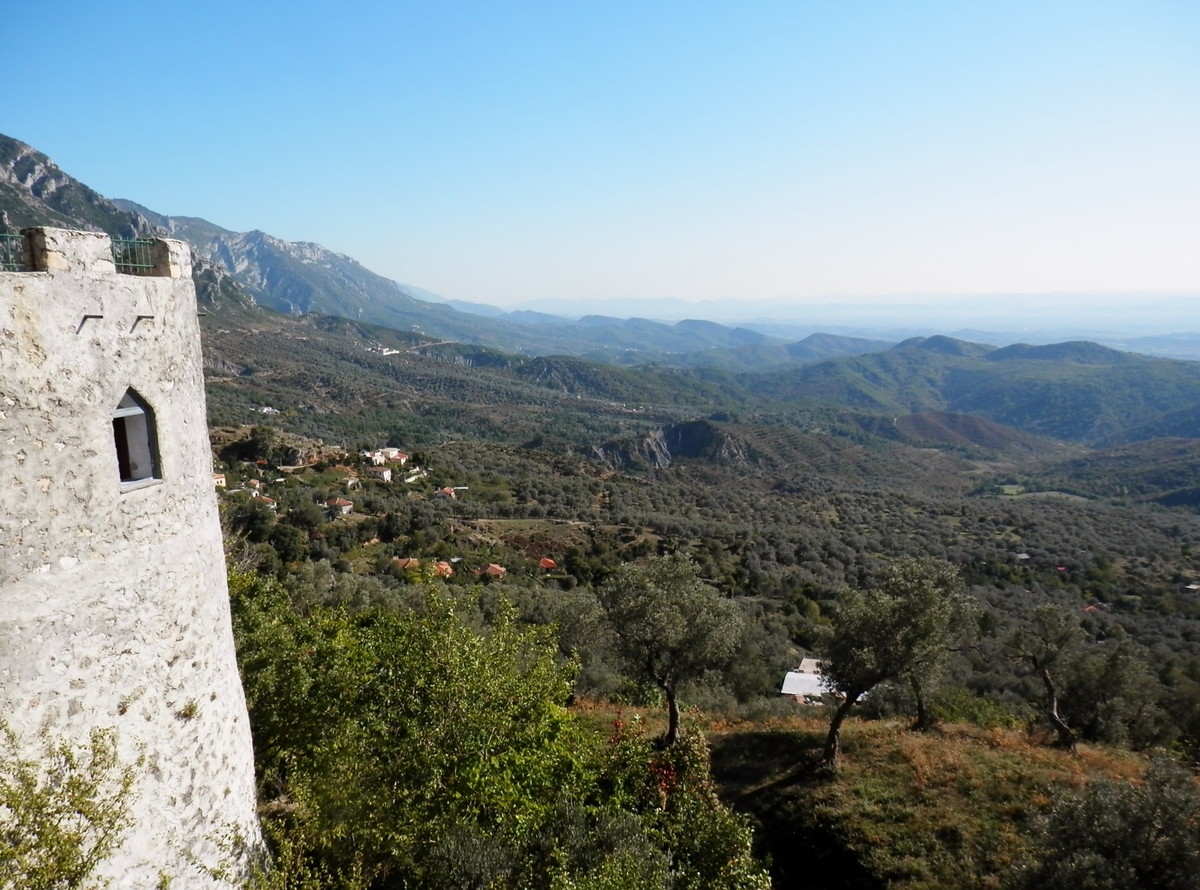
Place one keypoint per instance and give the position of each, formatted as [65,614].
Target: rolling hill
[1077,392]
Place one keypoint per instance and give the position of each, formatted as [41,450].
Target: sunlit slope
[1078,392]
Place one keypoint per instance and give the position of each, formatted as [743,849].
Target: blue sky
[502,152]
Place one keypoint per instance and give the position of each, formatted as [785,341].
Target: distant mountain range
[302,277]
[1078,391]
[1147,321]
[928,392]
[353,357]
[296,278]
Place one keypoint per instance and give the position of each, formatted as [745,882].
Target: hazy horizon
[774,153]
[1010,315]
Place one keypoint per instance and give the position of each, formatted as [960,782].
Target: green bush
[63,814]
[953,704]
[404,748]
[1120,835]
[671,788]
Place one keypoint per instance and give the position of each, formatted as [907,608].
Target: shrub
[62,814]
[1114,834]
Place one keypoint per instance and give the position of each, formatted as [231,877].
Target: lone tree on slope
[670,626]
[902,630]
[1049,640]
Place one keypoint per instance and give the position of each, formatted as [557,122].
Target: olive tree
[1043,646]
[669,625]
[1115,696]
[901,630]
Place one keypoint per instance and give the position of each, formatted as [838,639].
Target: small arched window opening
[137,443]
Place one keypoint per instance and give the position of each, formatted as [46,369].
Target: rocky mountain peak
[34,191]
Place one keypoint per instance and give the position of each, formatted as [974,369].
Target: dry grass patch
[943,809]
[947,808]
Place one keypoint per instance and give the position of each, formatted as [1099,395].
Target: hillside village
[349,486]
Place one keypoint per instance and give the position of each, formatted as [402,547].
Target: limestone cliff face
[289,276]
[216,288]
[697,439]
[34,191]
[113,605]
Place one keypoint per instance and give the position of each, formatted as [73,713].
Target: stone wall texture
[114,610]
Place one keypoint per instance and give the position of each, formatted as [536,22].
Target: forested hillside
[529,483]
[1079,392]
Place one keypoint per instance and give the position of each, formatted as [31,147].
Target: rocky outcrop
[217,365]
[693,440]
[216,288]
[35,192]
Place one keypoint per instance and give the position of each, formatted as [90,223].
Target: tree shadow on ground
[766,775]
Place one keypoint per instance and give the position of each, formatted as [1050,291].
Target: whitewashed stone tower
[114,610]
